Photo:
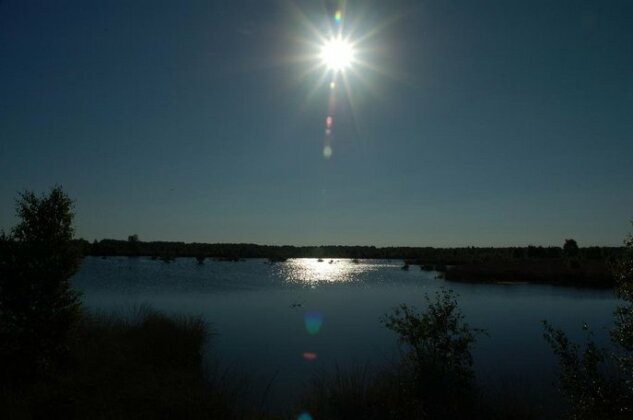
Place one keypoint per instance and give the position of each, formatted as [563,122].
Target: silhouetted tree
[134,249]
[570,249]
[38,308]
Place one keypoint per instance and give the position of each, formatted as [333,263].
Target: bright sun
[337,54]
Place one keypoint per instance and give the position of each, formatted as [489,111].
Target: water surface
[284,322]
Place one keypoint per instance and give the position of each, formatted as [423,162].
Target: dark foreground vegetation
[147,366]
[59,361]
[598,382]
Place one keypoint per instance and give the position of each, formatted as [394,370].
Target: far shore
[585,267]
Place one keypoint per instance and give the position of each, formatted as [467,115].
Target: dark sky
[463,122]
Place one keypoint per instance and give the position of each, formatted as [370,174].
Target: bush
[433,379]
[439,342]
[598,383]
[437,359]
[591,393]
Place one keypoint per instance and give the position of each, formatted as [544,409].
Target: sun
[337,54]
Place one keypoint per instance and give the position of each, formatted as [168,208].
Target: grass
[146,366]
[360,393]
[392,393]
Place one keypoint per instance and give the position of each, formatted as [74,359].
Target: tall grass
[360,393]
[392,393]
[147,365]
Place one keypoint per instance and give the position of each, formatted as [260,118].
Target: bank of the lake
[556,271]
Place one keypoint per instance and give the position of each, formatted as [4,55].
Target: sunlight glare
[310,271]
[337,54]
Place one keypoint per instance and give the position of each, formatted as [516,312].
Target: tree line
[462,255]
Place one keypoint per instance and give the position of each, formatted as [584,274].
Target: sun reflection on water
[310,271]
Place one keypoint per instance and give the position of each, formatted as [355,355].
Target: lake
[283,323]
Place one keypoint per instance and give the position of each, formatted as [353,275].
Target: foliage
[622,333]
[439,342]
[134,247]
[433,379]
[38,308]
[588,390]
[147,365]
[362,393]
[624,271]
[570,248]
[598,383]
[389,393]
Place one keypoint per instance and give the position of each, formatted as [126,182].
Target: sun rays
[334,55]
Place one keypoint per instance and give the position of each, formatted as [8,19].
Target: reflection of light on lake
[311,270]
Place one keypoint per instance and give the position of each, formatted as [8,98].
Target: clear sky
[463,122]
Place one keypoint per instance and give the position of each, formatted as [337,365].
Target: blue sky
[486,123]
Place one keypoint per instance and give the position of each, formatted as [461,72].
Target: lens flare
[313,322]
[327,152]
[309,356]
[338,16]
[304,416]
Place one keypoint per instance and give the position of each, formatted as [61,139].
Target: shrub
[591,394]
[598,383]
[439,342]
[436,369]
[433,379]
